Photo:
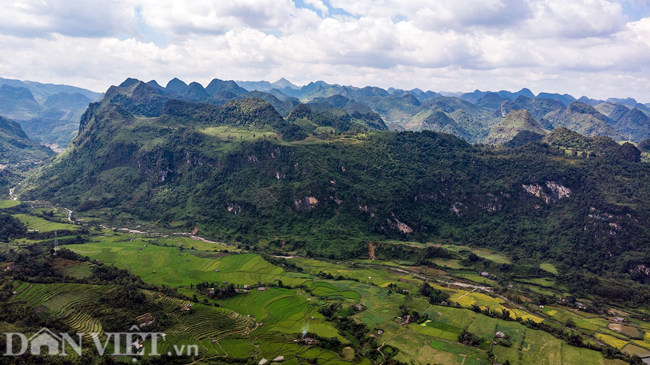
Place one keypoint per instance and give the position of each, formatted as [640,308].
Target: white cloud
[93,18]
[180,18]
[576,19]
[318,5]
[559,45]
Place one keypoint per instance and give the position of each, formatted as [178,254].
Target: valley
[261,228]
[278,302]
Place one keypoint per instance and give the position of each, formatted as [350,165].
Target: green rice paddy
[42,225]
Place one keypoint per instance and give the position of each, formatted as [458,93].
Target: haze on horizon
[597,48]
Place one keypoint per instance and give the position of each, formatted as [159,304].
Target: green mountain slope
[18,103]
[516,121]
[472,120]
[18,155]
[567,139]
[17,148]
[458,123]
[49,114]
[241,172]
[541,109]
[585,120]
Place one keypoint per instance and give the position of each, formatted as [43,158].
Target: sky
[597,48]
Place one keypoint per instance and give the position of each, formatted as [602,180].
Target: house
[407,320]
[247,286]
[308,340]
[620,320]
[261,288]
[358,307]
[485,274]
[581,305]
[500,335]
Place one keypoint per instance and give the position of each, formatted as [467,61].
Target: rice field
[611,340]
[232,330]
[42,225]
[4,204]
[170,266]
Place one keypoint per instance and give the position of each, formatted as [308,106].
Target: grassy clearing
[236,135]
[549,268]
[544,282]
[42,225]
[448,263]
[482,252]
[76,269]
[4,204]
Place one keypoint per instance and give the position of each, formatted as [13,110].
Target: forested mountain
[586,120]
[18,154]
[49,114]
[17,148]
[323,182]
[516,121]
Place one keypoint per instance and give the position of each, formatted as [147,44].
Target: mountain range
[329,177]
[48,113]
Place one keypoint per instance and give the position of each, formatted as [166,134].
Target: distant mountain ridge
[48,113]
[407,109]
[17,148]
[474,114]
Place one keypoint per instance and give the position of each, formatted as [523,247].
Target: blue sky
[597,48]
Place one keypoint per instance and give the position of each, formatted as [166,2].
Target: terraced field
[280,315]
[203,325]
[170,266]
[64,301]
